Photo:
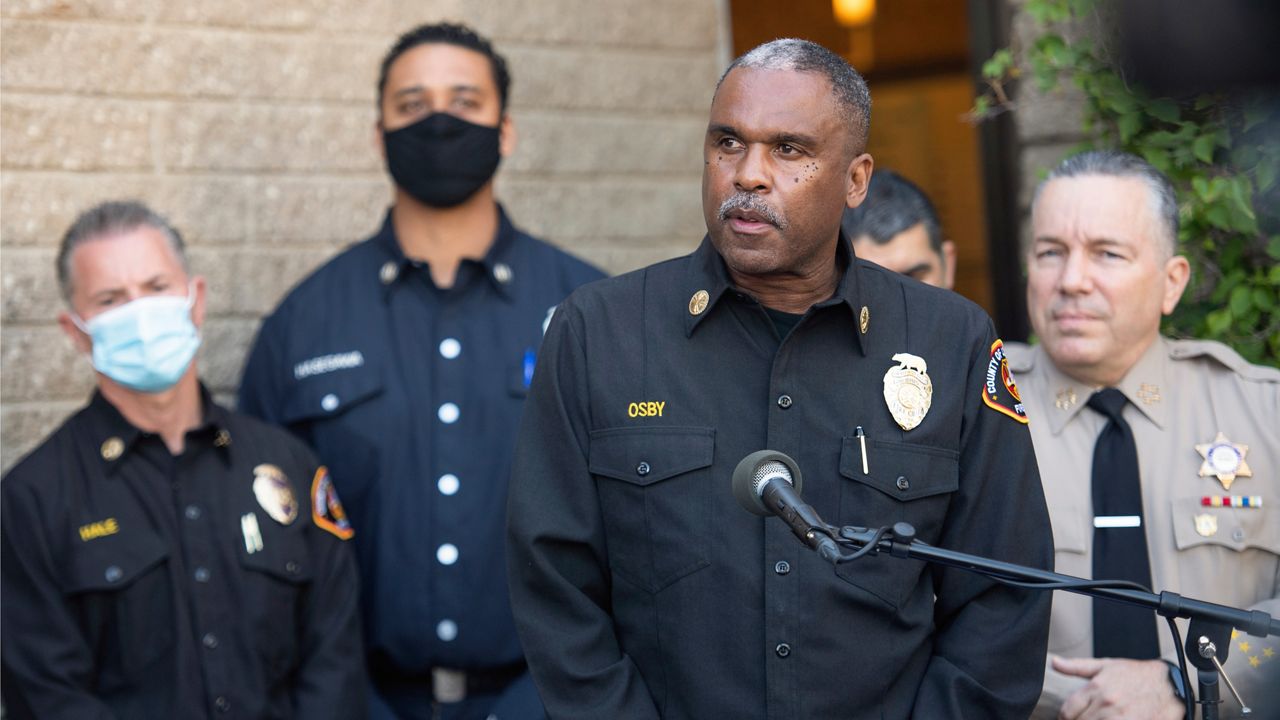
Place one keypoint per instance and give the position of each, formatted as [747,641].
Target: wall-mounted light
[854,13]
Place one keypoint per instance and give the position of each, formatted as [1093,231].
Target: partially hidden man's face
[1098,276]
[778,172]
[910,253]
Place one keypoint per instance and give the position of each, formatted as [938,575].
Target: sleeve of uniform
[331,681]
[260,390]
[48,666]
[556,560]
[991,639]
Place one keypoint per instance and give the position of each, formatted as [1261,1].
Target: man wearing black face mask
[404,362]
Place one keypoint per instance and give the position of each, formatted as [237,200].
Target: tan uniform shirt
[1181,394]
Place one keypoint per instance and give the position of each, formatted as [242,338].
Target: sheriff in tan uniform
[1181,394]
[1101,273]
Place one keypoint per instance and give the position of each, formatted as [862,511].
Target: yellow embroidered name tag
[102,528]
[646,409]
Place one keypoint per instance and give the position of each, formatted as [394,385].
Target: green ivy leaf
[1203,149]
[1273,249]
[1163,109]
[1217,322]
[1241,301]
[1129,124]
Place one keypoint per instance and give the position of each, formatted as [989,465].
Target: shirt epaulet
[1191,349]
[1021,359]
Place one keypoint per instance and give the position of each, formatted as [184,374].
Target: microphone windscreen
[756,469]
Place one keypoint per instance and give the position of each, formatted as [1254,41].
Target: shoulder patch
[1188,349]
[999,391]
[326,508]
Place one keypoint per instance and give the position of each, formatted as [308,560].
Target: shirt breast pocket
[655,494]
[275,581]
[904,483]
[335,413]
[123,588]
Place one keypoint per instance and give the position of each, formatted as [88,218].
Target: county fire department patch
[999,391]
[326,508]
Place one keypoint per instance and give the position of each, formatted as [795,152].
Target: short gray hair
[112,218]
[1113,163]
[804,56]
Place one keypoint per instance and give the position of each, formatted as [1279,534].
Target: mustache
[748,202]
[1076,307]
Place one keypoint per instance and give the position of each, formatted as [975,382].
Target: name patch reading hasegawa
[326,508]
[999,391]
[271,487]
[908,391]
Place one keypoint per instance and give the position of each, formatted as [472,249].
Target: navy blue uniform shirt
[142,584]
[411,394]
[643,590]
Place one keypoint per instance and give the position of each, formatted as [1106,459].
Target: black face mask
[442,160]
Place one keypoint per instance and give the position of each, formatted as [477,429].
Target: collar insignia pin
[864,320]
[908,391]
[275,495]
[388,272]
[112,448]
[1224,460]
[698,303]
[1149,394]
[1065,399]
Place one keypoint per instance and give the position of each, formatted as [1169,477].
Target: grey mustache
[753,203]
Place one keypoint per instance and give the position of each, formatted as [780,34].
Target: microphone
[767,483]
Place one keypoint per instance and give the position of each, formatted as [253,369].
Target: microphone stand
[900,542]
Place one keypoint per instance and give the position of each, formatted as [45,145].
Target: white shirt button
[448,484]
[447,630]
[448,413]
[329,402]
[450,348]
[447,554]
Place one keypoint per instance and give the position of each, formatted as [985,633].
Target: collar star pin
[1224,460]
[1148,393]
[908,391]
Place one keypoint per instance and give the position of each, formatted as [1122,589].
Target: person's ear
[1177,272]
[507,135]
[79,338]
[948,264]
[199,287]
[859,180]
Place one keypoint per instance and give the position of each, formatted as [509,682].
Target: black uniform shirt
[642,589]
[139,584]
[411,395]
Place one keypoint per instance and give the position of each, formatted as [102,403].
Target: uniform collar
[497,263]
[707,273]
[115,437]
[1143,386]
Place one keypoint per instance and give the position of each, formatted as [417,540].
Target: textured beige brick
[264,276]
[40,206]
[187,62]
[646,82]
[572,143]
[80,9]
[332,211]
[222,352]
[29,285]
[565,210]
[24,426]
[260,137]
[600,23]
[74,134]
[41,363]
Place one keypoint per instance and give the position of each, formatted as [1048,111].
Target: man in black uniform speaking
[641,589]
[163,557]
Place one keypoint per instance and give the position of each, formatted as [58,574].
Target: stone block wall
[251,125]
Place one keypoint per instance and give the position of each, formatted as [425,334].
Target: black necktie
[1119,542]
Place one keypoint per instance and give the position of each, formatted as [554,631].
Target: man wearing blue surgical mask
[405,361]
[161,555]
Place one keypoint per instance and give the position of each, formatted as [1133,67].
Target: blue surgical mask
[147,344]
